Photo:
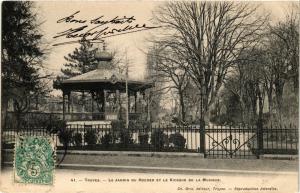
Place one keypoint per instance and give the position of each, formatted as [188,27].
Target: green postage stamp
[34,160]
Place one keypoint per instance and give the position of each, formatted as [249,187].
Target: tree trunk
[254,110]
[202,135]
[260,106]
[270,101]
[260,123]
[4,112]
[242,107]
[296,84]
[182,106]
[279,84]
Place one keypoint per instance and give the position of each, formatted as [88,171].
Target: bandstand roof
[100,79]
[104,77]
[98,75]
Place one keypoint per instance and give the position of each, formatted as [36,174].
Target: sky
[134,44]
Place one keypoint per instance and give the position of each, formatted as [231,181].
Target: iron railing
[250,142]
[230,142]
[280,140]
[220,141]
[104,137]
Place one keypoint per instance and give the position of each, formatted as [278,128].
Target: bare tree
[283,57]
[210,36]
[169,65]
[249,83]
[153,95]
[235,85]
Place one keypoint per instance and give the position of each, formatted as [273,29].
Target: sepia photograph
[149,96]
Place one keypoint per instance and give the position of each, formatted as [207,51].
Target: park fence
[220,141]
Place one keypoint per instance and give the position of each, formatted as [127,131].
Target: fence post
[202,136]
[260,141]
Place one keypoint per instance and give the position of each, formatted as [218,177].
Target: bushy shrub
[125,138]
[143,138]
[178,140]
[65,136]
[158,139]
[56,125]
[134,125]
[221,119]
[117,125]
[138,124]
[90,137]
[146,124]
[77,139]
[106,140]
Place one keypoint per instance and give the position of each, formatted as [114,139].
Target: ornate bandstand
[108,91]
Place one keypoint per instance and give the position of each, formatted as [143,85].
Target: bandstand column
[72,108]
[135,100]
[69,96]
[148,108]
[64,106]
[118,103]
[128,103]
[104,101]
[92,93]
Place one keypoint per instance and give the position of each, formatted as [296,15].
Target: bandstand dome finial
[103,55]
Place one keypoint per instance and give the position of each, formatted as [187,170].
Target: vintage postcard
[149,96]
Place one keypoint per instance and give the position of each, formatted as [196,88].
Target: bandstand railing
[78,116]
[36,117]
